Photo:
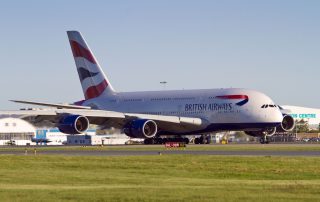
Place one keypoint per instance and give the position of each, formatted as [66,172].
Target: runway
[144,152]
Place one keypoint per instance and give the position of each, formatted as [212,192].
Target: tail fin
[93,80]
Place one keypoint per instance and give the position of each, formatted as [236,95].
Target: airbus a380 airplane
[152,115]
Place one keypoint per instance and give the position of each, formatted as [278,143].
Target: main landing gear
[203,139]
[159,140]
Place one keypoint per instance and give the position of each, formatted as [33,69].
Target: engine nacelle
[141,128]
[73,124]
[287,124]
[268,132]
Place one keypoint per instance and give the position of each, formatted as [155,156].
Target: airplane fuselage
[221,109]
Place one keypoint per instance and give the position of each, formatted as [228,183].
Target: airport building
[14,131]
[53,136]
[50,137]
[109,139]
[84,140]
[310,115]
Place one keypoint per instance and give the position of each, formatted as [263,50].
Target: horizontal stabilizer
[59,106]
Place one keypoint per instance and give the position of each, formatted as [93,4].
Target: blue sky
[270,46]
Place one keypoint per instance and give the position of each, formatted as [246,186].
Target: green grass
[159,178]
[215,147]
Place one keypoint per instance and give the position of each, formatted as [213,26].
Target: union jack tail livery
[93,80]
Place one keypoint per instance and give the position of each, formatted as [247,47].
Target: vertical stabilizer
[93,80]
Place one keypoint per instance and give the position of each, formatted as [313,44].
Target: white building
[53,136]
[14,131]
[118,139]
[311,115]
[84,140]
[108,139]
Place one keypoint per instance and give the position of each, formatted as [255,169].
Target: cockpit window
[267,105]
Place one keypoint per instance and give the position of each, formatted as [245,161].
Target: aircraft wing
[61,106]
[50,118]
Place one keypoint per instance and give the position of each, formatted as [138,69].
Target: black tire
[149,141]
[268,140]
[180,139]
[208,140]
[146,141]
[164,140]
[152,141]
[202,140]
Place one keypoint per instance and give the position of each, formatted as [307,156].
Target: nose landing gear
[265,139]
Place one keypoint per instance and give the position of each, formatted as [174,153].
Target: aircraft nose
[278,117]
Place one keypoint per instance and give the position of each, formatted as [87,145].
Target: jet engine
[73,124]
[287,124]
[141,128]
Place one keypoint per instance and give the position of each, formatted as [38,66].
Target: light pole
[164,84]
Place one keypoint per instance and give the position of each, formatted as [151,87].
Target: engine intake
[73,124]
[287,124]
[141,128]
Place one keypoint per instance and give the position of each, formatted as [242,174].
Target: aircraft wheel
[146,141]
[149,141]
[262,140]
[208,140]
[202,140]
[164,140]
[267,140]
[159,141]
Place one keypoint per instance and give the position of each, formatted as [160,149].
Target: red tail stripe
[80,51]
[95,91]
[233,97]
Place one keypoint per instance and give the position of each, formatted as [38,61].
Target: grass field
[215,147]
[159,178]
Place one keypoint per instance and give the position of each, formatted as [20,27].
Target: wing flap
[171,119]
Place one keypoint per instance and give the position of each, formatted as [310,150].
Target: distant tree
[240,134]
[301,126]
[315,130]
